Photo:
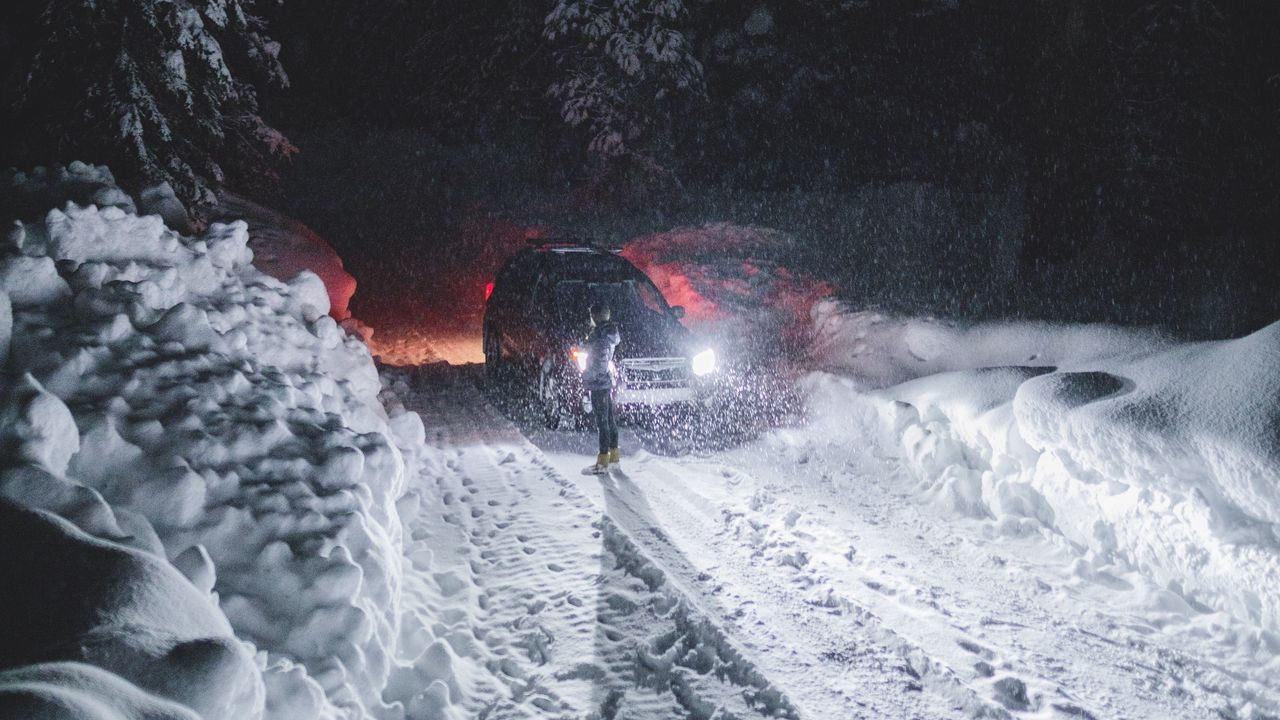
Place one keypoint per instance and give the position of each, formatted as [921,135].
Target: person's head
[600,314]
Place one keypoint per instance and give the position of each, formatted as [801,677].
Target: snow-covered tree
[621,62]
[160,90]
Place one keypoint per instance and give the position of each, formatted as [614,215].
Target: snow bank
[77,604]
[1162,463]
[283,247]
[731,281]
[163,394]
[878,349]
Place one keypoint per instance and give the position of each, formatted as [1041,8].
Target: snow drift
[86,604]
[283,247]
[167,405]
[878,349]
[1152,458]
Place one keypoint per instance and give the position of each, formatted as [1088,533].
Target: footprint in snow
[975,648]
[791,518]
[449,583]
[1011,693]
[797,559]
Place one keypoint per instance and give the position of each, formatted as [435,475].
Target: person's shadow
[657,636]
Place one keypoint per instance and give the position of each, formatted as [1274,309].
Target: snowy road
[789,577]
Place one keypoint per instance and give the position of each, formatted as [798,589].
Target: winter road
[785,578]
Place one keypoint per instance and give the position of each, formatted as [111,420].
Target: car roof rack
[571,244]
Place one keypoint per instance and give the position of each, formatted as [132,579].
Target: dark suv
[536,317]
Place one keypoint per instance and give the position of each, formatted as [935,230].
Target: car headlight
[704,362]
[579,358]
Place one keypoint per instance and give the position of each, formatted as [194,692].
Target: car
[536,319]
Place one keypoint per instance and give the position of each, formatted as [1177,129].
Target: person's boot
[601,467]
[615,456]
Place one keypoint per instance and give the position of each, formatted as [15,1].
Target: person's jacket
[600,345]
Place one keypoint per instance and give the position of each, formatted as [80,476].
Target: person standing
[598,379]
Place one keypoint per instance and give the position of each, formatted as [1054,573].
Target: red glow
[724,273]
[488,290]
[438,316]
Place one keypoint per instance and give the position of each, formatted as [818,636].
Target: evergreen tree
[160,90]
[621,65]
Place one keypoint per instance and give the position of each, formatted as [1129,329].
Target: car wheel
[557,410]
[549,397]
[492,353]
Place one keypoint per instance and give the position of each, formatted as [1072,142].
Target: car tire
[557,410]
[492,353]
[549,398]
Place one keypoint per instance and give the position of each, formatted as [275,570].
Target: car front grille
[653,373]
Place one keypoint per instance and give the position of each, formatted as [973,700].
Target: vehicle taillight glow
[579,358]
[488,290]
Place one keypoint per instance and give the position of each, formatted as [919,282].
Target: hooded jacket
[600,345]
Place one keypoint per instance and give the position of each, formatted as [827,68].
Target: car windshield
[628,299]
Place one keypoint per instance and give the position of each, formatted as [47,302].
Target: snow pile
[29,194]
[878,349]
[283,247]
[1157,470]
[731,282]
[164,394]
[77,604]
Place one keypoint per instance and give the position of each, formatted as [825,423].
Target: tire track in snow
[981,646]
[541,605]
[826,653]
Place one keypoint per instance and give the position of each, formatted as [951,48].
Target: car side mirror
[678,311]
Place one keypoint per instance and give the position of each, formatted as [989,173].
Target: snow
[878,349]
[1154,471]
[216,507]
[760,22]
[1163,462]
[890,554]
[175,402]
[89,606]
